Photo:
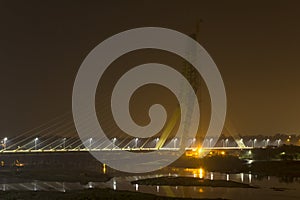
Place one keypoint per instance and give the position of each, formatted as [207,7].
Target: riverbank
[89,194]
[28,175]
[232,164]
[190,181]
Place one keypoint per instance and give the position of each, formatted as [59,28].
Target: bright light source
[201,172]
[282,153]
[199,151]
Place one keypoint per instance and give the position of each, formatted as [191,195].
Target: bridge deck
[119,149]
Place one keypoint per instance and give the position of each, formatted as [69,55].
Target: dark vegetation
[281,161]
[284,152]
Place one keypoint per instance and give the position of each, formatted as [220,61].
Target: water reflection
[250,178]
[114,184]
[242,177]
[63,187]
[34,186]
[136,187]
[288,179]
[124,183]
[104,170]
[200,172]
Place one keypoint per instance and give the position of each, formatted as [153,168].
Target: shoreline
[190,181]
[103,194]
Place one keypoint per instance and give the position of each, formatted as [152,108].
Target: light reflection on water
[123,183]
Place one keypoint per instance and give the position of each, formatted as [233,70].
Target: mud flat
[90,194]
[190,181]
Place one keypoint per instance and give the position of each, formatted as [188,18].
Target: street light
[4,142]
[210,141]
[136,142]
[267,142]
[194,141]
[226,142]
[175,140]
[279,140]
[35,143]
[156,141]
[114,142]
[90,140]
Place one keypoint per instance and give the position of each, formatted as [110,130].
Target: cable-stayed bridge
[47,138]
[74,144]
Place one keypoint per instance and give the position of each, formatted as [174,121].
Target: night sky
[255,45]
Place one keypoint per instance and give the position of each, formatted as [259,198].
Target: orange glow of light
[201,190]
[200,150]
[104,168]
[19,164]
[223,153]
[192,170]
[190,153]
[195,152]
[200,173]
[288,140]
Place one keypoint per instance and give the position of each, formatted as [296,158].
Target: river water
[269,187]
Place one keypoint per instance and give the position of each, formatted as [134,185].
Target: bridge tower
[190,73]
[192,76]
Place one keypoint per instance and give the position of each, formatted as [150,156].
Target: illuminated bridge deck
[119,149]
